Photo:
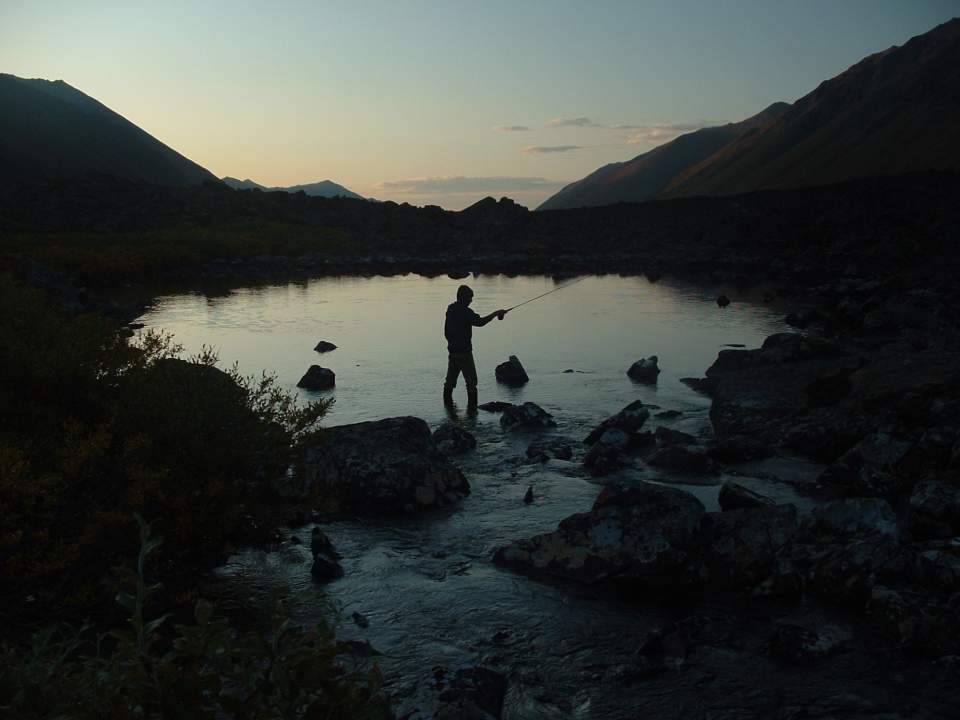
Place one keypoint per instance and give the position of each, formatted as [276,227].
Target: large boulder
[935,510]
[629,420]
[545,449]
[528,416]
[383,466]
[511,373]
[853,517]
[680,458]
[318,378]
[869,469]
[647,534]
[734,496]
[451,439]
[325,557]
[645,370]
[742,545]
[607,453]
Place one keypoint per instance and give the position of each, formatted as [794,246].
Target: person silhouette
[458,330]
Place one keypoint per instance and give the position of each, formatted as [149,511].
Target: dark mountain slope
[50,129]
[647,174]
[893,112]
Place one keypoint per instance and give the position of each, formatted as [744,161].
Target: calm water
[426,584]
[391,354]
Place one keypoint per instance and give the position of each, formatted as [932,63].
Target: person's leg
[453,369]
[469,370]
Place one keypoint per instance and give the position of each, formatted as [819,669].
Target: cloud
[572,122]
[547,149]
[512,128]
[453,185]
[664,132]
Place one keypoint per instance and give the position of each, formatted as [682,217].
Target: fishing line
[562,287]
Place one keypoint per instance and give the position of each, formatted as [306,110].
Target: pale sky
[442,102]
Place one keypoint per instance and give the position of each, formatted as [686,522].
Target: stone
[740,448]
[495,406]
[797,643]
[325,567]
[645,370]
[680,458]
[543,450]
[704,386]
[934,510]
[742,545]
[734,496]
[854,517]
[474,693]
[607,453]
[868,469]
[528,495]
[667,436]
[318,378]
[915,620]
[324,346]
[320,543]
[528,416]
[511,373]
[648,535]
[385,466]
[723,301]
[451,439]
[630,419]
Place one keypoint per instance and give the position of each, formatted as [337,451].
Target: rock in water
[318,378]
[543,450]
[645,370]
[736,497]
[495,406]
[629,420]
[452,439]
[324,346]
[723,301]
[742,545]
[528,496]
[512,373]
[325,557]
[648,534]
[528,416]
[385,466]
[682,459]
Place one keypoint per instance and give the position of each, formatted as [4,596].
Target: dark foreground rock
[742,545]
[528,416]
[325,557]
[472,692]
[734,496]
[545,449]
[683,459]
[648,535]
[511,373]
[935,510]
[385,466]
[645,370]
[495,406]
[324,346]
[452,439]
[318,378]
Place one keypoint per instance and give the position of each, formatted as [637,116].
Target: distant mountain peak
[323,188]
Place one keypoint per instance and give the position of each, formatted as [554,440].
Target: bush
[95,429]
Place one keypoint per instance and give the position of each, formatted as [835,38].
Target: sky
[447,102]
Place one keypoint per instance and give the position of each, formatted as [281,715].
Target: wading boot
[447,396]
[471,399]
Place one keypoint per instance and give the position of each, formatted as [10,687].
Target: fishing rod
[562,287]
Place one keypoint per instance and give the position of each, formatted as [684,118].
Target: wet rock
[495,406]
[645,370]
[528,495]
[669,414]
[667,436]
[318,378]
[629,420]
[797,644]
[360,620]
[324,346]
[680,458]
[854,517]
[869,469]
[473,693]
[803,319]
[451,439]
[704,386]
[915,620]
[320,543]
[511,373]
[830,386]
[740,448]
[325,557]
[847,571]
[723,301]
[385,466]
[736,497]
[528,416]
[607,454]
[647,534]
[934,510]
[940,563]
[742,545]
[543,450]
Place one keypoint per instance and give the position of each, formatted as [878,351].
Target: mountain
[324,188]
[647,174]
[50,129]
[894,112]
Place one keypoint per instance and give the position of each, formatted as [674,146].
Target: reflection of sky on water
[392,355]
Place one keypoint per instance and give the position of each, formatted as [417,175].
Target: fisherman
[458,329]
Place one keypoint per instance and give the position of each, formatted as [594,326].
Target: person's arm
[481,321]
